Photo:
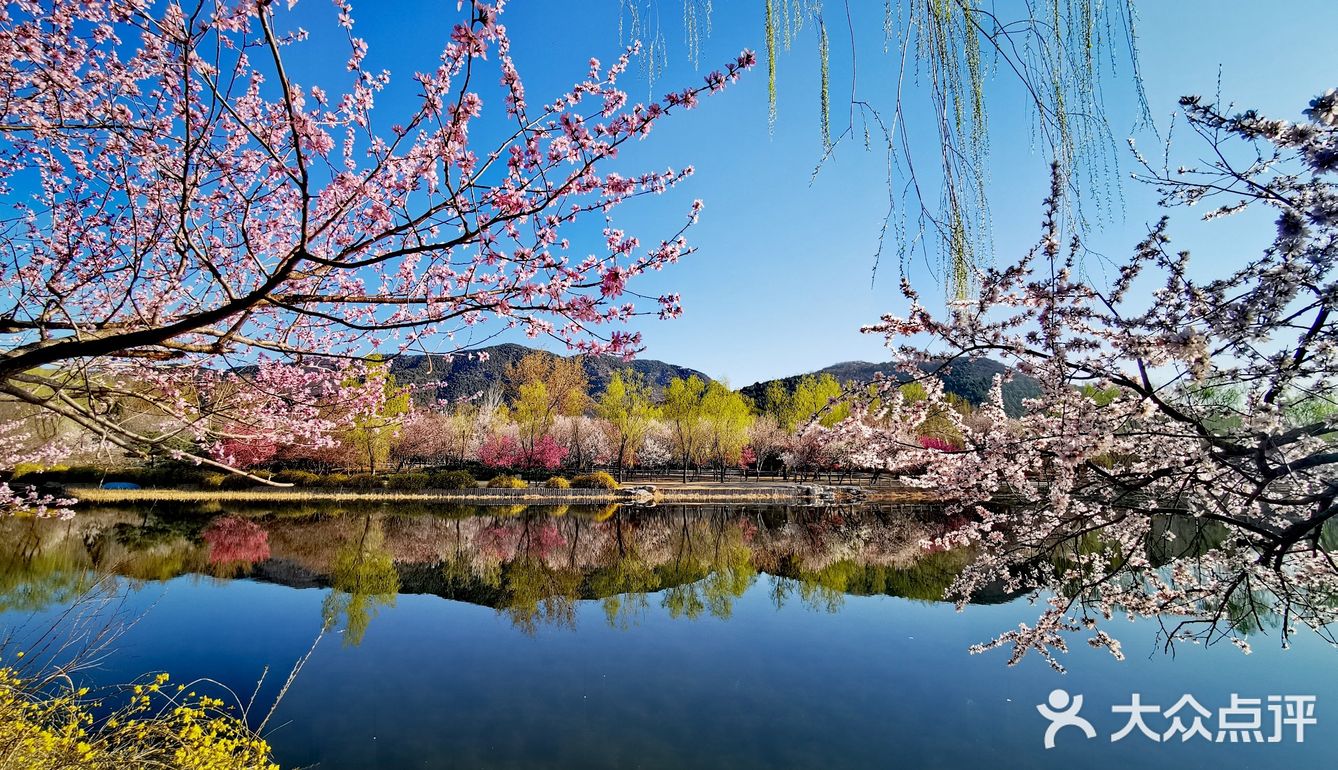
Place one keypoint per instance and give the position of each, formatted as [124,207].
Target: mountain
[461,375]
[969,379]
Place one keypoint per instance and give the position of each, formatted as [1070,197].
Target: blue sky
[781,281]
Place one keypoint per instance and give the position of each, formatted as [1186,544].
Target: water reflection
[533,564]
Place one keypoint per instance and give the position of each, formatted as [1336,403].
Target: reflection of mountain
[532,566]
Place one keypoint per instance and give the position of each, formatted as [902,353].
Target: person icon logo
[1063,712]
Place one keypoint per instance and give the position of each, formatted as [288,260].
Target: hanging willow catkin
[1056,48]
[771,65]
[823,55]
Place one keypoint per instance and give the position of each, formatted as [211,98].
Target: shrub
[166,475]
[334,480]
[31,473]
[507,482]
[596,480]
[452,480]
[238,481]
[213,480]
[84,474]
[233,481]
[26,469]
[365,481]
[407,480]
[298,477]
[557,482]
[49,727]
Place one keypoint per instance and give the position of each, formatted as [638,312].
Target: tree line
[543,415]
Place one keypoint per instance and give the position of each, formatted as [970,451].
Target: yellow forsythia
[161,726]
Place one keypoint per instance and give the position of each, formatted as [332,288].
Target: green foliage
[23,470]
[727,418]
[557,482]
[683,411]
[507,482]
[335,480]
[1102,396]
[236,481]
[596,480]
[372,433]
[451,480]
[213,480]
[408,480]
[938,424]
[545,387]
[970,379]
[364,481]
[775,401]
[815,396]
[1310,409]
[297,477]
[626,405]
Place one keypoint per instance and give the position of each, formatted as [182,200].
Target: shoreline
[647,494]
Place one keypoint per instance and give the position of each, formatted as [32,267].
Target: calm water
[736,637]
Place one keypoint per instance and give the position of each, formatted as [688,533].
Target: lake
[716,636]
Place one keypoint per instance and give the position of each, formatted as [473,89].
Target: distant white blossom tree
[1182,460]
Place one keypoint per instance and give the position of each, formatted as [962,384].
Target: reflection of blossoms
[234,540]
[545,539]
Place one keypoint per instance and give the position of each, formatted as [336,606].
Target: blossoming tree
[197,232]
[1182,461]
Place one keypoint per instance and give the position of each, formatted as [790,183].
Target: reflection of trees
[824,589]
[363,579]
[542,581]
[534,565]
[39,568]
[625,583]
[712,567]
[236,542]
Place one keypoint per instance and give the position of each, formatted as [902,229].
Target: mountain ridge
[462,375]
[966,378]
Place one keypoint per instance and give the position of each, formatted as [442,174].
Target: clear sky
[781,281]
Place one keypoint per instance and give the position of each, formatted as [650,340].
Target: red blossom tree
[546,454]
[500,451]
[504,451]
[246,451]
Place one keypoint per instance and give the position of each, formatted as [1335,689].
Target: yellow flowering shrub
[160,727]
